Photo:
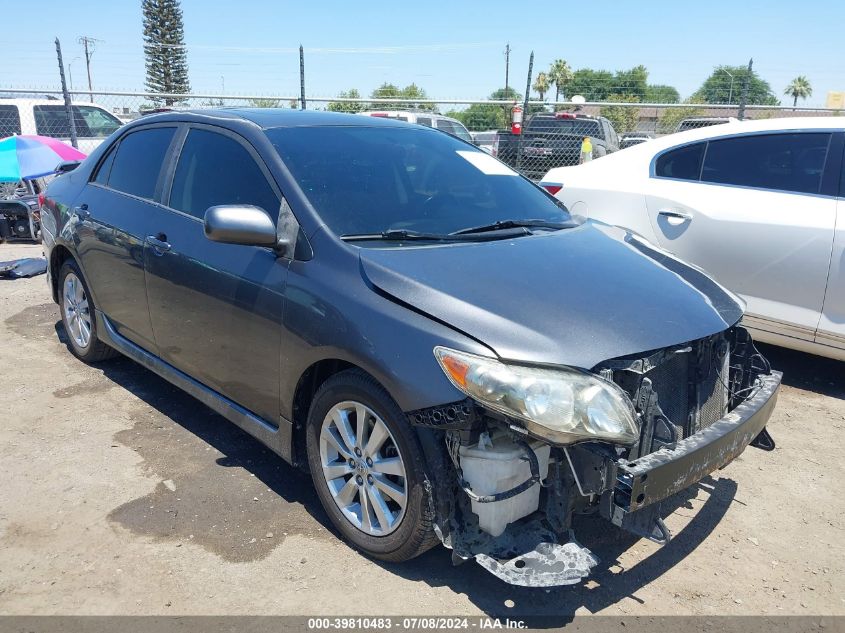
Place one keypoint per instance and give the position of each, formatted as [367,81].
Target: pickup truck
[550,140]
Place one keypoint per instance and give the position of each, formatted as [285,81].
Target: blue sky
[451,49]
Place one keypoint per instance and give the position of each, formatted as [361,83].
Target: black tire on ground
[95,351]
[415,534]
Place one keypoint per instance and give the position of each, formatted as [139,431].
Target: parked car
[553,140]
[428,333]
[485,140]
[754,203]
[48,117]
[428,119]
[694,123]
[633,138]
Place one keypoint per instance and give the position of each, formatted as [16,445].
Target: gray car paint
[575,297]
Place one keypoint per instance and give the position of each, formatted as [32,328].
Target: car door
[831,330]
[216,308]
[112,215]
[751,210]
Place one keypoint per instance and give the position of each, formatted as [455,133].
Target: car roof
[741,127]
[34,102]
[267,118]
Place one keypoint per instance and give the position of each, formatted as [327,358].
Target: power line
[89,43]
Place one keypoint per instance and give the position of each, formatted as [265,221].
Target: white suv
[760,205]
[48,117]
[428,119]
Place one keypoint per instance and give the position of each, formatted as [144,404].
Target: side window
[102,175]
[138,160]
[215,169]
[424,120]
[99,122]
[10,120]
[683,163]
[52,120]
[786,162]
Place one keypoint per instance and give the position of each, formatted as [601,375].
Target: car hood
[574,297]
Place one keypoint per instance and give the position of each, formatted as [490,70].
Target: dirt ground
[123,495]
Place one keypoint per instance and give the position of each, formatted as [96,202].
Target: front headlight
[561,405]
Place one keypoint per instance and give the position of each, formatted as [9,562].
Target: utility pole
[88,43]
[68,107]
[743,100]
[302,77]
[507,66]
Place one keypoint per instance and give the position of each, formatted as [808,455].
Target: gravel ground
[123,495]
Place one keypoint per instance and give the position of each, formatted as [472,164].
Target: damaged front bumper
[540,550]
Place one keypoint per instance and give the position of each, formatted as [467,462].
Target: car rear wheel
[368,468]
[78,316]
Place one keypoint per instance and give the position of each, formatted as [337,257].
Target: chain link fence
[553,134]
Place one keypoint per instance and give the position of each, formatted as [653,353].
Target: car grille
[690,383]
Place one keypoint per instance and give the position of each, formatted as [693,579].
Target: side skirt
[279,440]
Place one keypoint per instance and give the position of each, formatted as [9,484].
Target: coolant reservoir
[495,465]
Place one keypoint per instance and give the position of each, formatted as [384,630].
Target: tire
[393,533]
[77,308]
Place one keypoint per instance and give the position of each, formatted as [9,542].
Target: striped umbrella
[24,157]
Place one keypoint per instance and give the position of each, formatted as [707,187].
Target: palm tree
[560,74]
[541,85]
[799,87]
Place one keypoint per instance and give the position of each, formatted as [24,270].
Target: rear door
[752,211]
[216,308]
[831,329]
[112,216]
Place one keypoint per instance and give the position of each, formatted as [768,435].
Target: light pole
[70,71]
[731,90]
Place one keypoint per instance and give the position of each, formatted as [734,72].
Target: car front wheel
[368,468]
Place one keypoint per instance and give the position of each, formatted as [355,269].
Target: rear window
[10,120]
[554,125]
[683,163]
[137,163]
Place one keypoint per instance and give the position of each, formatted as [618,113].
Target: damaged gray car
[453,356]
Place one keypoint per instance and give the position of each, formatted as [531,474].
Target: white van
[48,117]
[428,119]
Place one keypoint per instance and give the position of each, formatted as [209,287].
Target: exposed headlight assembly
[560,405]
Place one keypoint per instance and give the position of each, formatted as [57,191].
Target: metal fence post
[66,94]
[301,77]
[524,111]
[743,100]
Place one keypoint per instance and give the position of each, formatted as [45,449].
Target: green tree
[391,91]
[166,58]
[798,88]
[717,87]
[593,85]
[560,74]
[659,93]
[265,103]
[542,85]
[623,117]
[630,83]
[347,106]
[668,122]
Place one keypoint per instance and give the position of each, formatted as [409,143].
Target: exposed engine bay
[507,497]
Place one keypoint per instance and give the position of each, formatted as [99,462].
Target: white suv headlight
[561,405]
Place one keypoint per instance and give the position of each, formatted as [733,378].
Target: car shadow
[609,583]
[824,376]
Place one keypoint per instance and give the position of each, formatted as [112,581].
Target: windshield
[364,180]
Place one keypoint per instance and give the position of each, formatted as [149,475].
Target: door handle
[676,218]
[159,243]
[82,212]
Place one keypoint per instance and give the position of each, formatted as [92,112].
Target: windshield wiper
[403,235]
[511,224]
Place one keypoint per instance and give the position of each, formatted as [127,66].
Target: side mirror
[240,224]
[67,165]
